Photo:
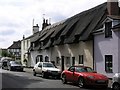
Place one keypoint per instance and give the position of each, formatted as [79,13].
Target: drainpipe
[94,63]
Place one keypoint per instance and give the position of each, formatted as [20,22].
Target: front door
[62,64]
[73,61]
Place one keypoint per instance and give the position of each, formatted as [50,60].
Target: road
[21,80]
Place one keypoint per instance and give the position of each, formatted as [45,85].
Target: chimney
[35,29]
[23,37]
[113,7]
[45,23]
[49,21]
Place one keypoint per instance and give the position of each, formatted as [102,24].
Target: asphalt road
[22,80]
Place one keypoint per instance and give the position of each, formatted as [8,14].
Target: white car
[46,69]
[116,82]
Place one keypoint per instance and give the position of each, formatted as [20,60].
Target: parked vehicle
[84,76]
[4,64]
[116,82]
[15,65]
[46,69]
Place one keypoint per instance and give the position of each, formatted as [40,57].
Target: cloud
[17,15]
[7,32]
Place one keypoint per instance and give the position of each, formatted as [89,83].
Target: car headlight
[48,71]
[91,77]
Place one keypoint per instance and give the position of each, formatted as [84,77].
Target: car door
[39,68]
[75,75]
[70,73]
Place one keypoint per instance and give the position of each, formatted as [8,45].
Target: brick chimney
[35,29]
[113,7]
[45,23]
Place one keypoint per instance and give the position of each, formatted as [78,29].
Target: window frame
[108,30]
[109,63]
[81,60]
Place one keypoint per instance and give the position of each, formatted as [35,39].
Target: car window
[15,62]
[48,65]
[84,69]
[39,65]
[71,68]
[89,69]
[80,69]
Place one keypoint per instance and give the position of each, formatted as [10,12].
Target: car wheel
[64,81]
[34,73]
[43,74]
[21,70]
[81,82]
[116,86]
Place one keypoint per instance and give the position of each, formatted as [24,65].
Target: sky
[16,16]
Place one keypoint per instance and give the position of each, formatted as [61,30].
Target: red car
[84,76]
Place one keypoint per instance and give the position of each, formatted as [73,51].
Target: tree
[5,54]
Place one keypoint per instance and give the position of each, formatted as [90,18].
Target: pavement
[28,70]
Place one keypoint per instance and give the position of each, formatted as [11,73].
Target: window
[39,58]
[67,61]
[46,59]
[57,60]
[81,59]
[108,63]
[108,32]
[73,60]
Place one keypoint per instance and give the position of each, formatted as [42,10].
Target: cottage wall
[119,51]
[33,55]
[106,46]
[73,50]
[25,44]
[43,53]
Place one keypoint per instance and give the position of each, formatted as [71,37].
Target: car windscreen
[84,69]
[48,65]
[15,62]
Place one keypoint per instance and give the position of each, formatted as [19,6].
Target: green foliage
[4,54]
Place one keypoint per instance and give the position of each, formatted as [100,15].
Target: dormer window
[108,26]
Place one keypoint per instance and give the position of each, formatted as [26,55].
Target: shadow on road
[50,77]
[13,81]
[89,87]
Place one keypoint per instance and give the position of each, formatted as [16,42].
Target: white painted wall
[106,46]
[34,54]
[25,45]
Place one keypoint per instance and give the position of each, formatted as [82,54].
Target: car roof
[81,66]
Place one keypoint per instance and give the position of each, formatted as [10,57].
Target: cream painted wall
[34,54]
[25,45]
[67,50]
[74,50]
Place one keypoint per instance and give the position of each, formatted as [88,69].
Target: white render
[74,50]
[107,46]
[25,45]
[67,50]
